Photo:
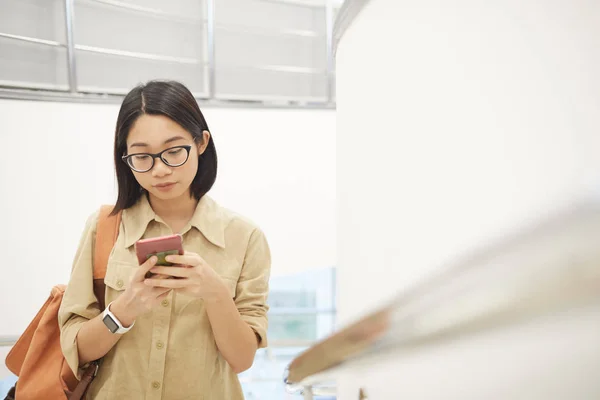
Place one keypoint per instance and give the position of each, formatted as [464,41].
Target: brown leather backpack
[37,358]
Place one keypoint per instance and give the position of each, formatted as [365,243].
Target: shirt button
[156,385]
[160,345]
[120,283]
[165,303]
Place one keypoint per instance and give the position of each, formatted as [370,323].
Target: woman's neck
[175,212]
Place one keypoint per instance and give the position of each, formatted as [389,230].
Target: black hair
[173,100]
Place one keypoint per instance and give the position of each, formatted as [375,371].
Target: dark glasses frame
[127,158]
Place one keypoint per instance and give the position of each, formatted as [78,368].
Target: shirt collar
[208,218]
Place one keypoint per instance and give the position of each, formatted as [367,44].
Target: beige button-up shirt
[170,353]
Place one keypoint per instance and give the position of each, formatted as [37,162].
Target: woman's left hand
[196,278]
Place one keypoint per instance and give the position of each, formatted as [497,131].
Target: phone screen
[161,257]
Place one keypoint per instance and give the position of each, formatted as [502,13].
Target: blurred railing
[73,91]
[552,267]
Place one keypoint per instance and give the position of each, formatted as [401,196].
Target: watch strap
[114,325]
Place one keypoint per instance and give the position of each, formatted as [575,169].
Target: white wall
[277,167]
[458,122]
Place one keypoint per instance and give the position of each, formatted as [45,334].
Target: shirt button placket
[158,351]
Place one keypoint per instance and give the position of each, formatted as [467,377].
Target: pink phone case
[159,246]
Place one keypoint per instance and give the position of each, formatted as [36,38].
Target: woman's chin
[166,195]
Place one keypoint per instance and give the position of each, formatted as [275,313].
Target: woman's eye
[174,152]
[141,157]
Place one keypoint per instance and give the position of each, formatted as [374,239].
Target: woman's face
[153,134]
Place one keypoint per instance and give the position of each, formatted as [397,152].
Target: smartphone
[160,247]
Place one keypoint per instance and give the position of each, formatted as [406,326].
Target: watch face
[110,324]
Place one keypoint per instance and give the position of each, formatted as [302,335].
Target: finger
[178,272]
[159,276]
[145,267]
[188,258]
[167,283]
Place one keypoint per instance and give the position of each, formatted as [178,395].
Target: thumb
[140,274]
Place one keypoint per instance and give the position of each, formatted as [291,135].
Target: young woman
[185,338]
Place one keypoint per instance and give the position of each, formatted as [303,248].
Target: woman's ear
[202,144]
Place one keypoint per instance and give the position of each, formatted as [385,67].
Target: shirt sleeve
[253,286]
[79,303]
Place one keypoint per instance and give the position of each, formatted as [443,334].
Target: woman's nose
[160,168]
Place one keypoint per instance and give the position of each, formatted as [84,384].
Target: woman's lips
[165,187]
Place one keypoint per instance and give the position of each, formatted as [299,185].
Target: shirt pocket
[118,274]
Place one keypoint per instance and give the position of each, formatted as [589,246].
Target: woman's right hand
[138,298]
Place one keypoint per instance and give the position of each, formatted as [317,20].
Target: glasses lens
[175,156]
[140,162]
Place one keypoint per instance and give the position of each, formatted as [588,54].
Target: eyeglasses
[144,162]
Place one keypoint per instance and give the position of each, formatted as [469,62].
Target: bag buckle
[97,367]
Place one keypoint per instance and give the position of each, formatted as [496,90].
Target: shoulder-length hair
[175,101]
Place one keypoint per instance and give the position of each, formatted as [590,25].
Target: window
[30,64]
[144,40]
[269,51]
[302,310]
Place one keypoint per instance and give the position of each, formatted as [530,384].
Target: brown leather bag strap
[107,231]
[87,378]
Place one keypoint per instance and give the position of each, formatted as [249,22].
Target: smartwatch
[113,324]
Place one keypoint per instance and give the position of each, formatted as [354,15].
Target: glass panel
[270,15]
[301,311]
[105,26]
[292,327]
[191,8]
[325,324]
[30,65]
[312,289]
[40,19]
[178,36]
[270,50]
[256,84]
[127,72]
[251,48]
[288,299]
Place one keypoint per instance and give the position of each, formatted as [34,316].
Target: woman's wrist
[218,296]
[122,312]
